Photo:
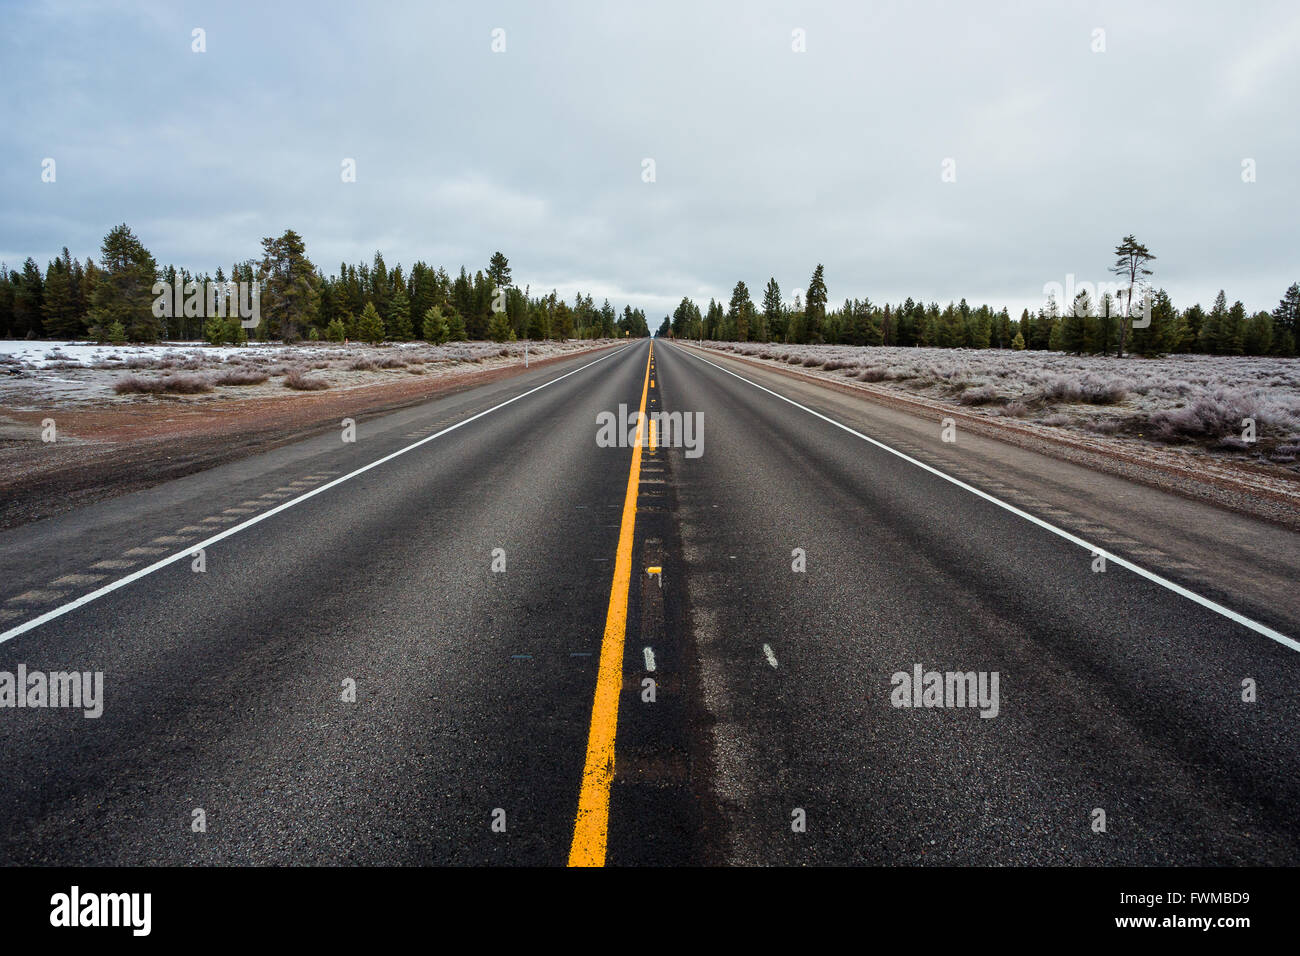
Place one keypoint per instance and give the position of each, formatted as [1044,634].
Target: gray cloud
[768,161]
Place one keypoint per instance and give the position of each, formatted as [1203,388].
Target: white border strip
[180,555]
[1060,532]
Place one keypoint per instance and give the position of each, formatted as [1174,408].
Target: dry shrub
[1090,389]
[296,379]
[239,376]
[177,384]
[981,395]
[1211,416]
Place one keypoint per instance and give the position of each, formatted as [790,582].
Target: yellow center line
[591,826]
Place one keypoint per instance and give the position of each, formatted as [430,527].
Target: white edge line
[1060,532]
[235,529]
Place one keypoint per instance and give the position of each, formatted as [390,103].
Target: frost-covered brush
[179,384]
[298,380]
[240,377]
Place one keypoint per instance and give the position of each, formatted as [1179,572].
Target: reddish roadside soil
[110,451]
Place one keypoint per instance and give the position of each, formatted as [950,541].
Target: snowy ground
[37,375]
[1187,400]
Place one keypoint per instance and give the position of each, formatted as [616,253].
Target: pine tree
[29,297]
[1258,337]
[1107,317]
[1286,322]
[1212,327]
[1074,329]
[424,290]
[562,327]
[951,330]
[499,271]
[456,327]
[714,320]
[370,327]
[380,288]
[435,326]
[499,328]
[1194,321]
[124,287]
[398,326]
[6,301]
[738,311]
[1004,333]
[815,305]
[1131,258]
[1043,324]
[1155,338]
[289,295]
[1054,338]
[60,305]
[1234,330]
[214,330]
[979,329]
[773,310]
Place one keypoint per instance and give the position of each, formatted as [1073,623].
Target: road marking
[767,652]
[77,580]
[650,659]
[1032,519]
[36,596]
[591,825]
[36,622]
[113,564]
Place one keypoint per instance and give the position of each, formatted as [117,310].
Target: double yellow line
[591,827]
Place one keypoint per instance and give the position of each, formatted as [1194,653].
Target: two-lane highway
[1115,694]
[224,689]
[451,649]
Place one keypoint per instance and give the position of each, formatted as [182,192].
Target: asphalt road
[772,736]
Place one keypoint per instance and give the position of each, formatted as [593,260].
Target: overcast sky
[766,160]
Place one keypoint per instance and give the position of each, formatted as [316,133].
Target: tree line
[1107,326]
[113,300]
